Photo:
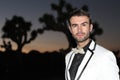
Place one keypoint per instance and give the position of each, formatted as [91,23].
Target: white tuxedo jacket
[97,64]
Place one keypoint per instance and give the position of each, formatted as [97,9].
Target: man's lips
[79,34]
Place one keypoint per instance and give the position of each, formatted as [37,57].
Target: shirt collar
[87,46]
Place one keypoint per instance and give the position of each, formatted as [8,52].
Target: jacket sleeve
[109,69]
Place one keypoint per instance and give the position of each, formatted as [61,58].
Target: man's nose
[79,28]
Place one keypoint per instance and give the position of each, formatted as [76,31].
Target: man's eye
[84,24]
[74,26]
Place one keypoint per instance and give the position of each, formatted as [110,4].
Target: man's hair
[79,12]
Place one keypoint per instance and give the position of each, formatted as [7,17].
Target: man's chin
[81,40]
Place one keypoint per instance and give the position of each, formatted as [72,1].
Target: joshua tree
[59,22]
[17,30]
[6,45]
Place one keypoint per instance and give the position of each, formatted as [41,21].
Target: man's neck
[83,44]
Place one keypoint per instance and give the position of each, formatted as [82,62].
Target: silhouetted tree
[6,45]
[17,30]
[59,23]
[96,31]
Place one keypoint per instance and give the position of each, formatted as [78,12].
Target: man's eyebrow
[85,23]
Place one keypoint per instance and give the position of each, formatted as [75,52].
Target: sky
[105,12]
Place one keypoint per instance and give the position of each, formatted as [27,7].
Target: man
[95,62]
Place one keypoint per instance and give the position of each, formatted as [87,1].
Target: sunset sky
[106,13]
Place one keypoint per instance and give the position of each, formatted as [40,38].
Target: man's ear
[91,27]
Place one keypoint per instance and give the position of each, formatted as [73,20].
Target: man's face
[80,28]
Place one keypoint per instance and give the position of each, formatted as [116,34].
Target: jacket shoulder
[104,52]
